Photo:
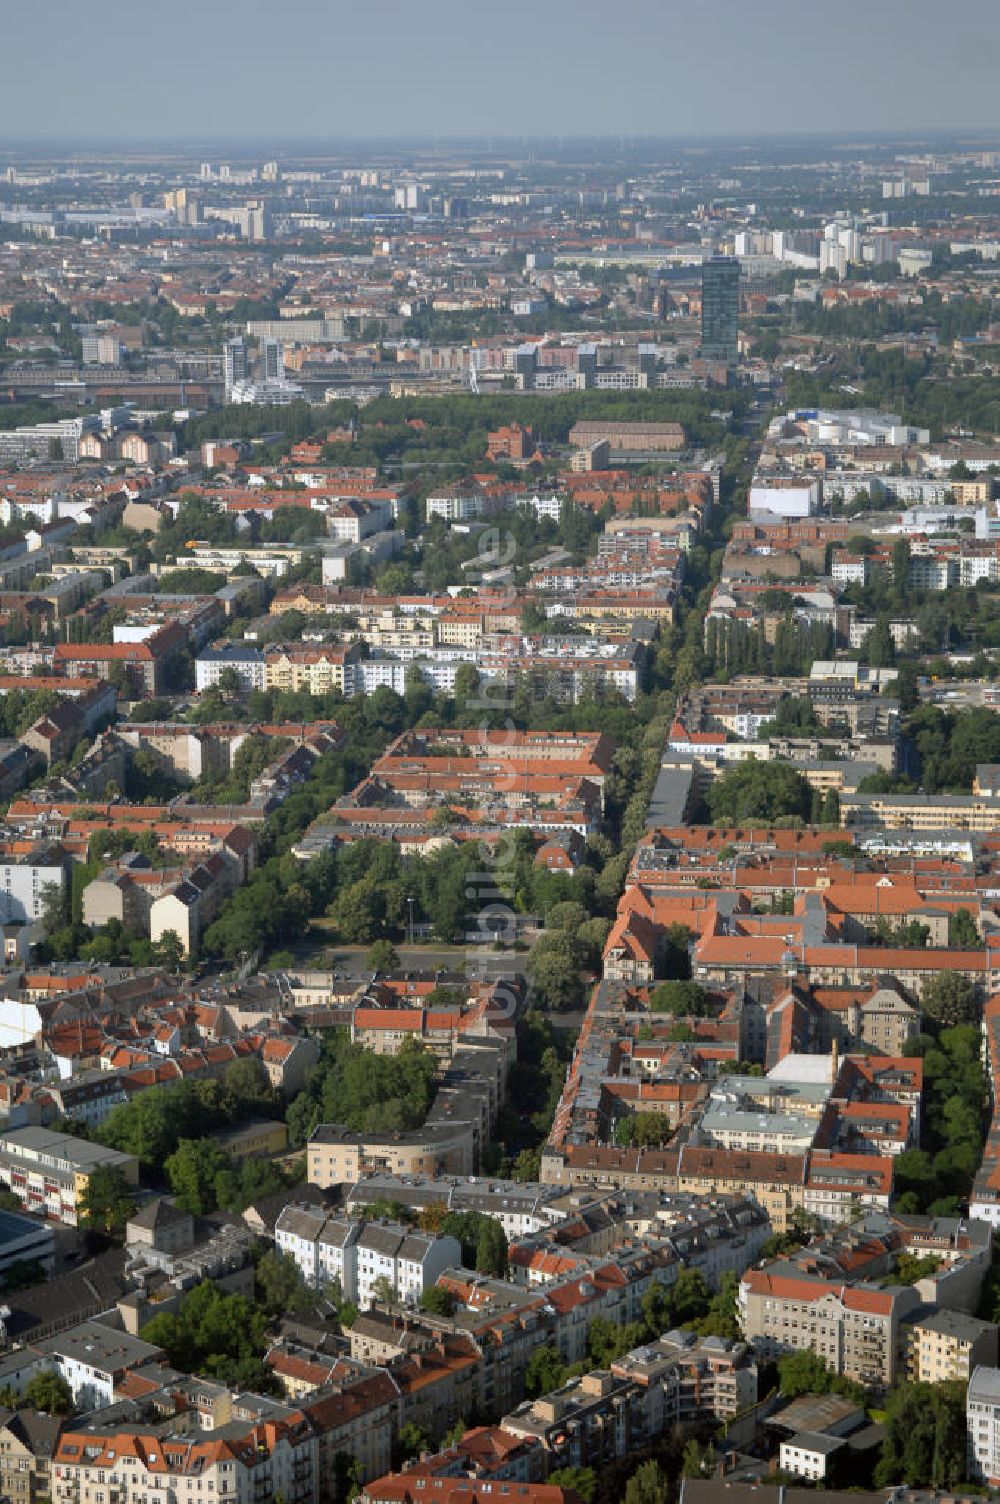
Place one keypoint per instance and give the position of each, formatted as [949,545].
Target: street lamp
[409,921]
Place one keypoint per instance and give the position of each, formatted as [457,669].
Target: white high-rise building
[258,220]
[236,363]
[272,359]
[982,1416]
[832,258]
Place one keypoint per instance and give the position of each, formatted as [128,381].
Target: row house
[168,1464]
[363,1257]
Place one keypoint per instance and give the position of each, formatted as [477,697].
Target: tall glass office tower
[720,304]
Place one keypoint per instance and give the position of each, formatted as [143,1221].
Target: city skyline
[564,69]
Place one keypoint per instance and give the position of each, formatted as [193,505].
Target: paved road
[413,958]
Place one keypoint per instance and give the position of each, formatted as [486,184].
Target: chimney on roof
[834,1061]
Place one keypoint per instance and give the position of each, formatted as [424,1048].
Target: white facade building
[247,663]
[982,1415]
[93,1357]
[785,497]
[23,885]
[456,506]
[360,1255]
[808,1453]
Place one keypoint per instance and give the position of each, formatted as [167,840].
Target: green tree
[925,1443]
[107,1202]
[693,1460]
[545,1372]
[963,932]
[413,1440]
[192,1173]
[679,997]
[53,907]
[437,1301]
[359,912]
[803,1373]
[901,568]
[553,968]
[721,1318]
[528,1165]
[383,1291]
[533,618]
[759,793]
[50,1393]
[169,951]
[383,956]
[223,1336]
[491,1249]
[582,1480]
[689,1296]
[949,998]
[649,1484]
[279,1287]
[347,1478]
[878,649]
[642,1130]
[566,916]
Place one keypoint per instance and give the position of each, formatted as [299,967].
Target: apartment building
[982,1418]
[288,1062]
[521,1208]
[404,1488]
[189,906]
[625,436]
[461,504]
[856,1329]
[944,1345]
[920,812]
[49,1172]
[26,882]
[316,670]
[141,664]
[338,1156]
[322,1246]
[173,1461]
[407,1262]
[685,1376]
[587,1423]
[360,1420]
[94,1358]
[28,1439]
[246,662]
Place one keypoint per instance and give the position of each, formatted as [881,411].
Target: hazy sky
[330,69]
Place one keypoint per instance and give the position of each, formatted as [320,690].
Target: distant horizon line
[489,140]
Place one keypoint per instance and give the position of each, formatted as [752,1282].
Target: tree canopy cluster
[937,1177]
[951,743]
[365,1091]
[925,1436]
[221,1336]
[733,647]
[759,793]
[152,1124]
[688,1302]
[203,1178]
